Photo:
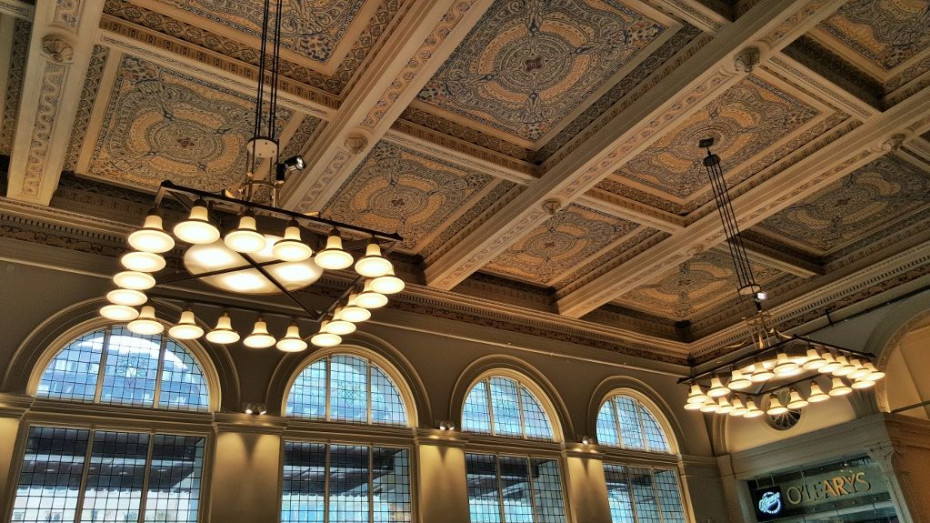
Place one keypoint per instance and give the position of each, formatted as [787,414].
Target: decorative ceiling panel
[744,121]
[19,50]
[869,198]
[161,124]
[526,66]
[694,286]
[567,239]
[398,190]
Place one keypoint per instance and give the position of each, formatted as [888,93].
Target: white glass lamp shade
[223,333]
[373,264]
[340,327]
[246,238]
[292,342]
[143,261]
[817,394]
[845,367]
[752,410]
[831,364]
[152,236]
[146,324]
[197,229]
[717,389]
[863,383]
[860,371]
[874,374]
[370,299]
[724,406]
[775,407]
[693,406]
[138,281]
[814,360]
[761,374]
[324,338]
[387,284]
[128,297]
[796,401]
[333,257]
[738,381]
[259,338]
[352,312]
[291,248]
[739,410]
[696,395]
[709,407]
[839,387]
[119,312]
[186,328]
[784,366]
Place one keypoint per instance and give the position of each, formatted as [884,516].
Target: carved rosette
[57,48]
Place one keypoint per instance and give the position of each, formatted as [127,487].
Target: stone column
[443,492]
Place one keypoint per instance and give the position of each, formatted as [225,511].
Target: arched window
[114,366]
[503,406]
[623,421]
[346,388]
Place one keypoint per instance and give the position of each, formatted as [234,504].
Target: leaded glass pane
[348,484]
[504,406]
[534,418]
[619,494]
[644,495]
[348,385]
[630,430]
[655,436]
[547,491]
[174,479]
[476,414]
[484,501]
[50,479]
[182,384]
[516,490]
[307,398]
[304,492]
[386,403]
[72,374]
[130,369]
[666,482]
[115,477]
[607,425]
[390,479]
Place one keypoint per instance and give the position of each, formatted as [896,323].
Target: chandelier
[773,373]
[266,250]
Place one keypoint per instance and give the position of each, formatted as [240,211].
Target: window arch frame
[657,413]
[539,394]
[63,340]
[397,379]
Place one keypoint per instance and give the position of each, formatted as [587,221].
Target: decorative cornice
[17,9]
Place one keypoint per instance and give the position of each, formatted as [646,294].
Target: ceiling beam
[62,41]
[415,49]
[17,9]
[864,144]
[765,29]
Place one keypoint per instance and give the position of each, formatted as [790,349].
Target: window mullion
[655,490]
[145,479]
[617,424]
[520,407]
[101,372]
[329,388]
[371,484]
[326,468]
[631,491]
[159,369]
[500,488]
[368,390]
[87,455]
[642,424]
[487,393]
[529,479]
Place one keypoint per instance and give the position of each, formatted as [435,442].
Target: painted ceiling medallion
[527,65]
[886,32]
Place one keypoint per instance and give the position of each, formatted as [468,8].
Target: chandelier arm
[216,272]
[283,312]
[260,268]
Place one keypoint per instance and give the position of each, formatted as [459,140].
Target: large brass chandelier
[773,373]
[236,243]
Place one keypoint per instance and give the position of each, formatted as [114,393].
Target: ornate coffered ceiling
[539,158]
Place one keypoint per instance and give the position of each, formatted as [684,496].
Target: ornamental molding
[17,9]
[58,48]
[746,60]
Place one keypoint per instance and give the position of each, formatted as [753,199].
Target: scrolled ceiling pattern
[527,64]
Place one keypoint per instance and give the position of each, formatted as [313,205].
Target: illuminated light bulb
[752,410]
[738,381]
[874,374]
[696,395]
[352,312]
[143,261]
[126,297]
[291,248]
[246,238]
[817,394]
[761,374]
[775,407]
[862,383]
[373,264]
[784,366]
[119,312]
[138,281]
[370,299]
[186,328]
[814,360]
[339,327]
[292,341]
[259,338]
[197,229]
[739,410]
[146,324]
[223,333]
[845,367]
[860,371]
[152,236]
[709,407]
[796,401]
[332,256]
[831,364]
[839,387]
[324,338]
[387,284]
[723,406]
[717,389]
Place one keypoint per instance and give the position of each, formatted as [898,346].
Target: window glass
[113,478]
[504,407]
[126,369]
[626,422]
[643,494]
[354,389]
[345,483]
[513,489]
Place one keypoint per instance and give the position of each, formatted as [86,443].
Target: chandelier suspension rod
[282,312]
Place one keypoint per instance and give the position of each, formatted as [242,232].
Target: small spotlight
[255,409]
[294,163]
[446,426]
[762,296]
[586,440]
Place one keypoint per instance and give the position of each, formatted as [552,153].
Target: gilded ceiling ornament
[356,143]
[747,59]
[57,48]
